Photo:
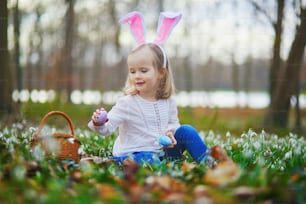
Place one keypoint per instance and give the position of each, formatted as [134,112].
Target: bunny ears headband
[167,21]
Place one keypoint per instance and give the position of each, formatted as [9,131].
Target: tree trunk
[67,51]
[6,104]
[17,46]
[275,69]
[277,115]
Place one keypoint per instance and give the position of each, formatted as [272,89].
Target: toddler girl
[147,111]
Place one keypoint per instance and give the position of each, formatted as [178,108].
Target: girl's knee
[186,128]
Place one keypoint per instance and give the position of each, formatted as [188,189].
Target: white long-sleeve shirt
[140,123]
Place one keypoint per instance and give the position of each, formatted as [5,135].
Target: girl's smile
[143,74]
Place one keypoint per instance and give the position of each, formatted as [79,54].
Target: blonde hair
[166,86]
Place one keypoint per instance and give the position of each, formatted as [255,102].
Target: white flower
[292,141]
[298,150]
[256,145]
[229,147]
[38,153]
[81,150]
[248,153]
[228,134]
[32,129]
[19,172]
[71,140]
[288,155]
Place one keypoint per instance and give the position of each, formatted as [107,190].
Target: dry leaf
[218,153]
[187,166]
[165,183]
[224,173]
[106,191]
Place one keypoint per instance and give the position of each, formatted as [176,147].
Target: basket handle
[48,115]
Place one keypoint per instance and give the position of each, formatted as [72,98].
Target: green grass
[272,167]
[219,120]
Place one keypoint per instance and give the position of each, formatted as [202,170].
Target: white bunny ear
[136,22]
[167,21]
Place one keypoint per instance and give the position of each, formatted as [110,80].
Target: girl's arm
[115,117]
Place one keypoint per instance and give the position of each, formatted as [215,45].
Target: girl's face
[142,73]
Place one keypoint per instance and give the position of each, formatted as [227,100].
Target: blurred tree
[288,86]
[275,67]
[17,46]
[66,87]
[6,104]
[285,83]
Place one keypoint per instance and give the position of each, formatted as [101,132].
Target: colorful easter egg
[165,140]
[102,117]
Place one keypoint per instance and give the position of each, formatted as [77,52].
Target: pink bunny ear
[135,20]
[167,21]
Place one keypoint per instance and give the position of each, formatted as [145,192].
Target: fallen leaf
[224,173]
[218,153]
[187,166]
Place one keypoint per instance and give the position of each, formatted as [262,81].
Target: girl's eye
[144,70]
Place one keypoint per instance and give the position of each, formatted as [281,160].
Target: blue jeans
[187,138]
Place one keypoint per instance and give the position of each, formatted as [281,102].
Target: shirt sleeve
[116,116]
[173,115]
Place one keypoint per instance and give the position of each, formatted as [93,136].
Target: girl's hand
[99,117]
[170,134]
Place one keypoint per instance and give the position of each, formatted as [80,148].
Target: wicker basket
[64,146]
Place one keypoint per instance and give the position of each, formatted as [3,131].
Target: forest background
[239,46]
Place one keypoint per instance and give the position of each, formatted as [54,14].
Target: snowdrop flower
[81,150]
[252,133]
[292,141]
[17,126]
[256,145]
[244,135]
[298,151]
[38,153]
[71,140]
[268,153]
[248,153]
[19,172]
[261,161]
[12,139]
[288,155]
[228,147]
[32,129]
[6,131]
[246,146]
[211,133]
[228,134]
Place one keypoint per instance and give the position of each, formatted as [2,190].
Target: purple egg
[165,141]
[102,117]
